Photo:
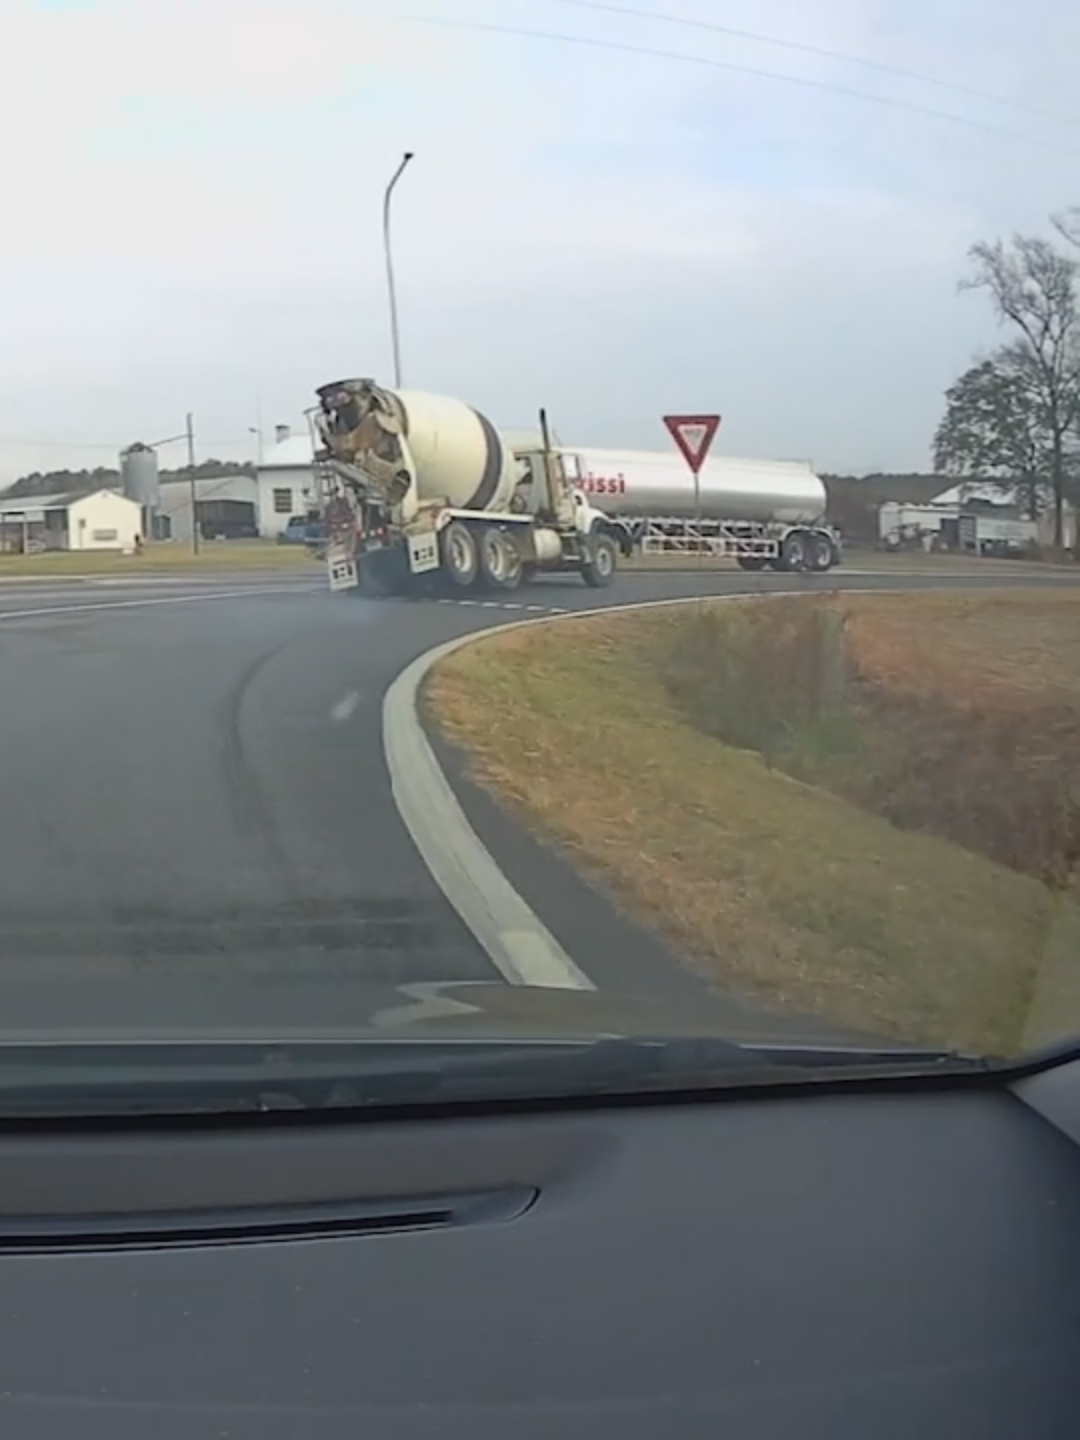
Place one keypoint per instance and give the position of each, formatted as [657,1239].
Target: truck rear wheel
[601,558]
[458,546]
[500,560]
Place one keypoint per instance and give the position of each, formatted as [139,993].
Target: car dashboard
[896,1262]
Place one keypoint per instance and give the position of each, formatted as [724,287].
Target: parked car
[303,530]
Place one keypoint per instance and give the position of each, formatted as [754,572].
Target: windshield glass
[598,576]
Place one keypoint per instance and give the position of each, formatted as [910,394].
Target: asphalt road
[196,824]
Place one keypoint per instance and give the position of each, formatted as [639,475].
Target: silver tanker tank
[639,483]
[452,453]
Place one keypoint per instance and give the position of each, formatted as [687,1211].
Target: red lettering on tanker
[603,484]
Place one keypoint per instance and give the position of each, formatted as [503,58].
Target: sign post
[694,434]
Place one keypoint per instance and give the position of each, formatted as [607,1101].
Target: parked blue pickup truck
[303,530]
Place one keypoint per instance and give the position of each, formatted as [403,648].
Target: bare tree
[1067,224]
[1033,287]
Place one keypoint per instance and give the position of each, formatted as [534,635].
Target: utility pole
[395,337]
[189,435]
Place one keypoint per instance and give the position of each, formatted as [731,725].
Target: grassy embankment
[865,808]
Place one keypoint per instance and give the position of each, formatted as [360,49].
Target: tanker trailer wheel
[600,559]
[459,555]
[795,552]
[819,552]
[501,566]
[751,562]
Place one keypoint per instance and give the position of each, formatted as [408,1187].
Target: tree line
[105,477]
[1012,419]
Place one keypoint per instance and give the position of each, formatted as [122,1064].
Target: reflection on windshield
[774,747]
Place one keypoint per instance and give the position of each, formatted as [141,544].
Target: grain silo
[140,482]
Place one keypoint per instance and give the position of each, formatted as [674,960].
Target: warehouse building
[240,507]
[102,520]
[227,507]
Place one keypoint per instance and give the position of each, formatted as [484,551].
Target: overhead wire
[732,67]
[114,446]
[804,47]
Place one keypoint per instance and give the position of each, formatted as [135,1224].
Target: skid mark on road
[248,803]
[318,938]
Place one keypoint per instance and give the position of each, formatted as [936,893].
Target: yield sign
[693,434]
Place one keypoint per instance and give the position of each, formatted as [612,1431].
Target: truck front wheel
[600,559]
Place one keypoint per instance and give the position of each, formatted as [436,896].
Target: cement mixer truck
[420,491]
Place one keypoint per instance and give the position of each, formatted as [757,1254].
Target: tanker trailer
[418,489]
[762,513]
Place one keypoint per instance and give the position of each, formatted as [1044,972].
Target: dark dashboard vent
[185,1229]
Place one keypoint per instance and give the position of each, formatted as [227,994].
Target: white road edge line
[89,606]
[507,929]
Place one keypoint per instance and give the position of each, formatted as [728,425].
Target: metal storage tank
[139,475]
[140,482]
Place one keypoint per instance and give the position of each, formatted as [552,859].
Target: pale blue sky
[194,186]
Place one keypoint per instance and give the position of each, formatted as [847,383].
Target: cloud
[194,195]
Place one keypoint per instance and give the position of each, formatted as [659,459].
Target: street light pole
[395,338]
[189,435]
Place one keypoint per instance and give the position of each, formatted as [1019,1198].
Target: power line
[63,444]
[652,52]
[114,446]
[804,48]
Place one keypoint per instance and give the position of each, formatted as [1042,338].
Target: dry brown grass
[603,735]
[970,709]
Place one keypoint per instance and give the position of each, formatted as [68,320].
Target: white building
[286,481]
[102,520]
[926,523]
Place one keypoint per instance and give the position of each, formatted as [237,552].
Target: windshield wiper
[81,1080]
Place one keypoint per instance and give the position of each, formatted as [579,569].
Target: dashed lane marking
[345,706]
[517,606]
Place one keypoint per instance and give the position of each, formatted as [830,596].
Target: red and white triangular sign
[693,434]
